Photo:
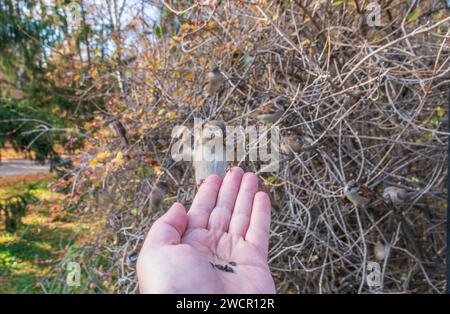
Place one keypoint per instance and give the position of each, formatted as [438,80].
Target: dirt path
[14,167]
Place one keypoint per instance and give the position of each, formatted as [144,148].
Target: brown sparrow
[206,162]
[395,195]
[269,114]
[359,195]
[159,190]
[291,143]
[119,130]
[215,80]
[104,198]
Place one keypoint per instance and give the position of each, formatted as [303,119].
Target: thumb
[169,228]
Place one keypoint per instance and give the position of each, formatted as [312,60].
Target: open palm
[219,246]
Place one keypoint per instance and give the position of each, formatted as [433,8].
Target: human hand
[219,246]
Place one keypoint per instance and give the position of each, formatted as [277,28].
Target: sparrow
[159,190]
[269,114]
[132,259]
[205,161]
[291,143]
[395,195]
[215,81]
[381,251]
[104,198]
[359,195]
[119,130]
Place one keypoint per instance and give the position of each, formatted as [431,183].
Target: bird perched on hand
[215,81]
[269,114]
[359,195]
[205,159]
[156,196]
[395,195]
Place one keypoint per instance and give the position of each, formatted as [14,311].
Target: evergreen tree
[31,104]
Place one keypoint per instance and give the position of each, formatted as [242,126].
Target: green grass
[29,254]
[38,189]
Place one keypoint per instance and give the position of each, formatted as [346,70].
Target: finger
[204,202]
[221,215]
[169,228]
[244,202]
[259,228]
